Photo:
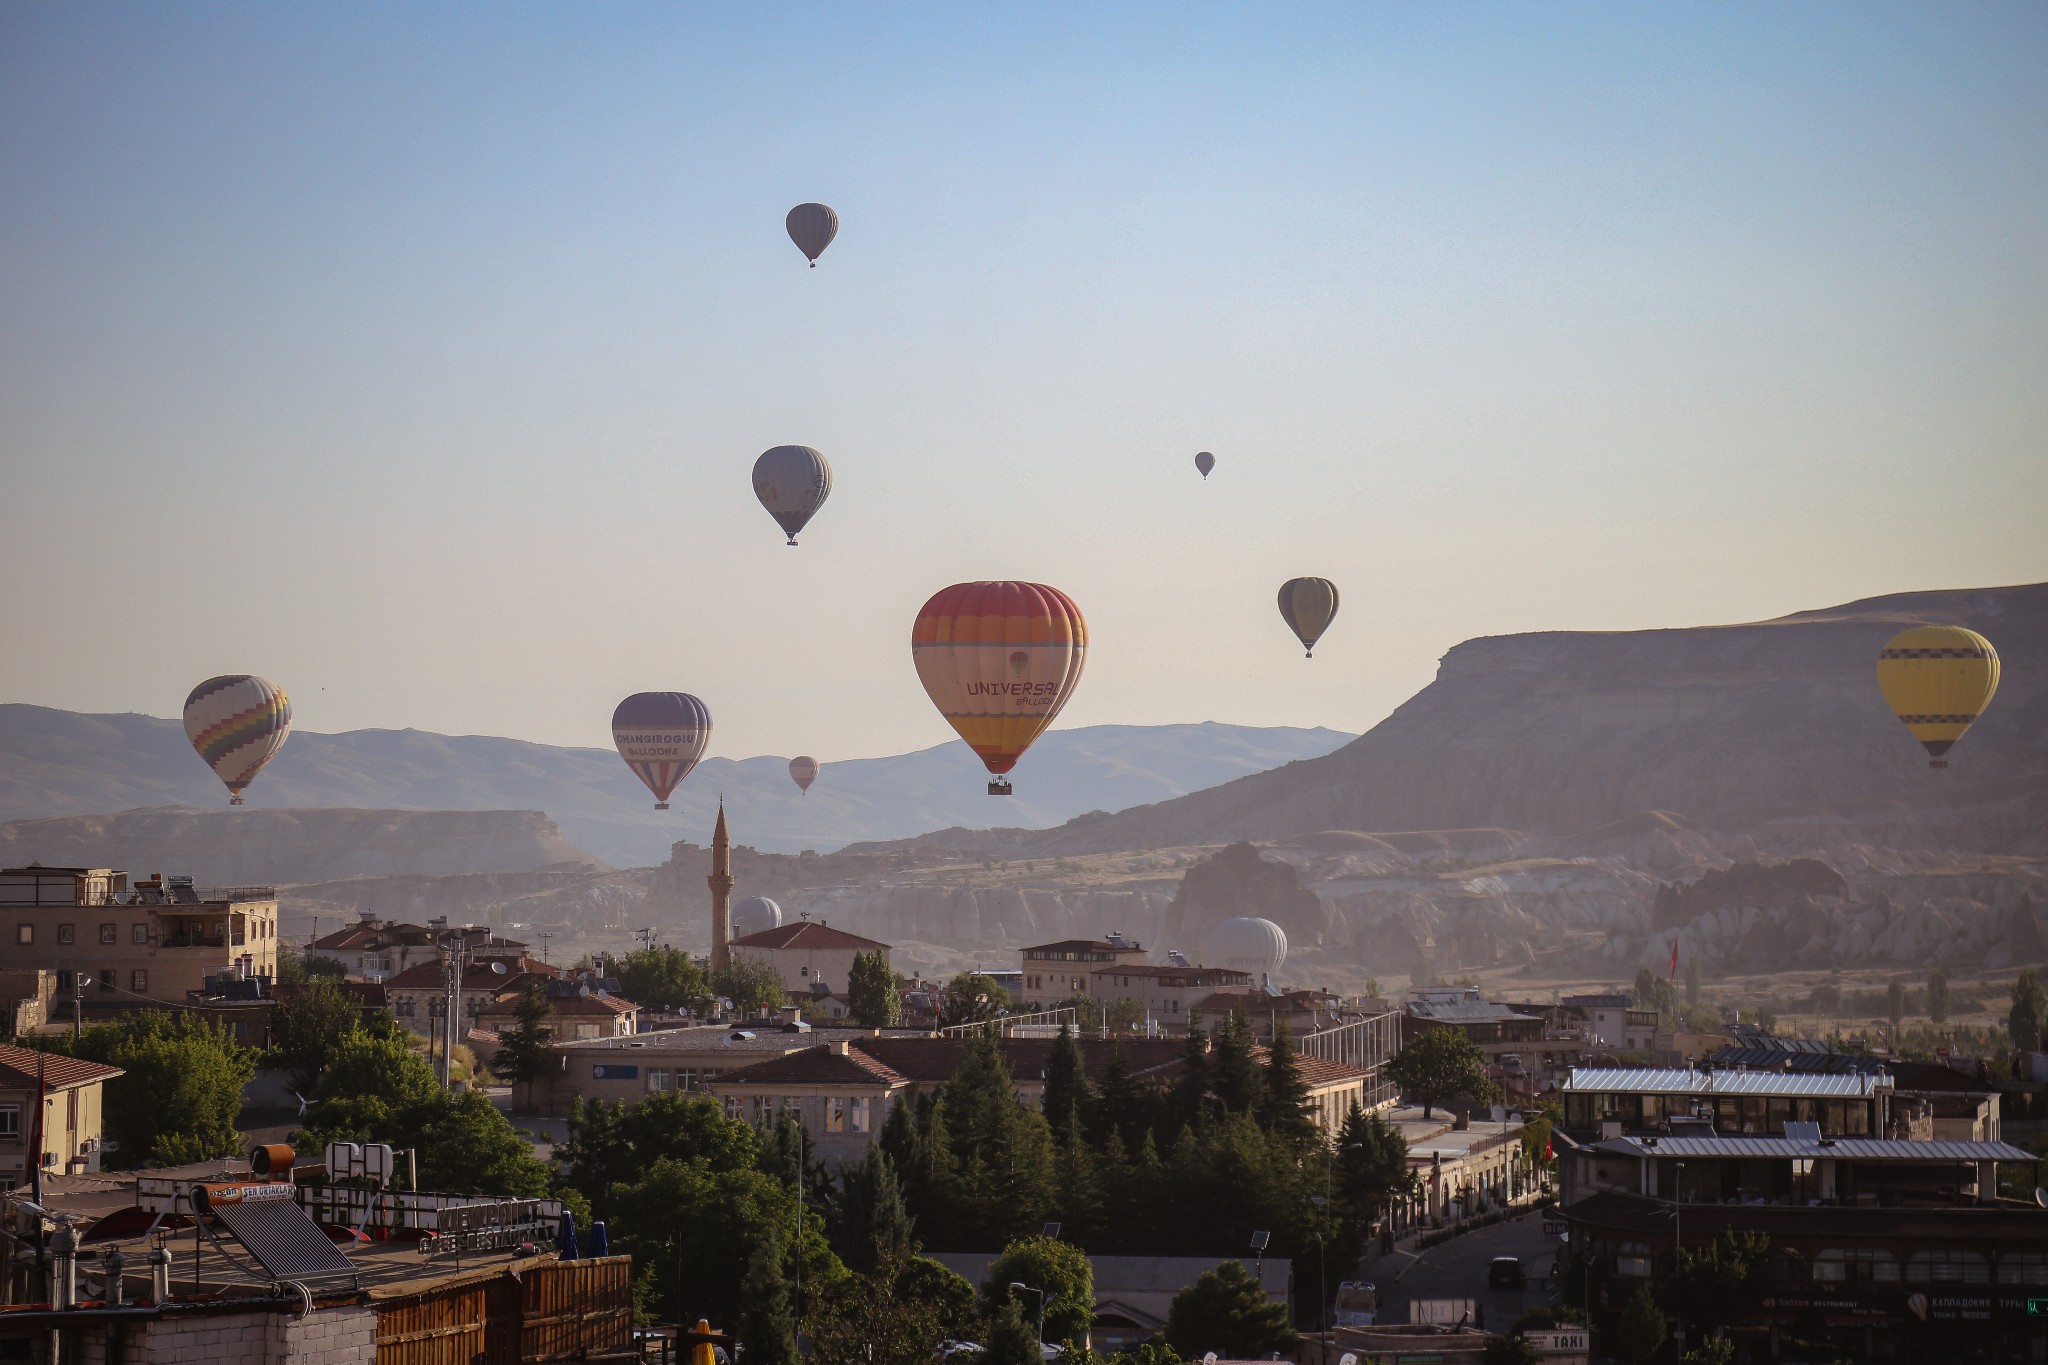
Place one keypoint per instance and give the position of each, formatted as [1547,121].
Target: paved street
[1457,1270]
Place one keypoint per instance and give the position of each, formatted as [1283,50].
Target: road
[1457,1270]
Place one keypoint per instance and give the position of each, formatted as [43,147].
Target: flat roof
[1799,1149]
[1680,1080]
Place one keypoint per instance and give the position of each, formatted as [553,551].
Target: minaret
[720,882]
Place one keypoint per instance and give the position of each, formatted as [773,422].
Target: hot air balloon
[803,770]
[792,482]
[1308,605]
[1205,462]
[1938,679]
[812,227]
[999,660]
[237,722]
[661,735]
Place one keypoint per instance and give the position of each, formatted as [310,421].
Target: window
[1633,1258]
[2023,1267]
[835,1114]
[657,1078]
[1855,1265]
[106,978]
[732,1106]
[138,979]
[24,933]
[860,1114]
[67,933]
[10,1122]
[585,1031]
[764,1108]
[1948,1267]
[686,1079]
[138,933]
[64,979]
[110,933]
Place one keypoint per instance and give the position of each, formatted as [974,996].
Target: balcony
[197,941]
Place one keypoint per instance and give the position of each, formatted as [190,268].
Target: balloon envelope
[999,660]
[803,770]
[792,482]
[812,227]
[661,735]
[237,722]
[1205,462]
[1938,680]
[1308,605]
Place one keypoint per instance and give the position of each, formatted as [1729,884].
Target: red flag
[1674,958]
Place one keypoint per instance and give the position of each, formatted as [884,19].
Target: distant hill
[1740,727]
[63,763]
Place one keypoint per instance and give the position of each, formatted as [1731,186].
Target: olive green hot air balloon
[1308,605]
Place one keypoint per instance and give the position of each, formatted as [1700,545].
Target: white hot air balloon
[1245,944]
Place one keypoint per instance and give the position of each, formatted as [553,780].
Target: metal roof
[1464,1012]
[1841,1149]
[1678,1080]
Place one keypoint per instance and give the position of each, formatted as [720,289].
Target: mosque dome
[757,914]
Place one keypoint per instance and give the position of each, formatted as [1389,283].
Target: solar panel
[283,1239]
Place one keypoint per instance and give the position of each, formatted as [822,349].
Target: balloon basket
[661,805]
[1937,763]
[999,787]
[236,800]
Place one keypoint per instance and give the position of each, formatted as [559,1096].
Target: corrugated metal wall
[546,1311]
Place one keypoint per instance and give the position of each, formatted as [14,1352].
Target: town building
[628,1070]
[1612,1102]
[1930,1100]
[1610,1023]
[1463,1167]
[374,949]
[70,1136]
[418,996]
[1165,994]
[810,956]
[1054,973]
[579,1014]
[123,945]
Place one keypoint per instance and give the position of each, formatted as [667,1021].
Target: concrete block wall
[329,1336]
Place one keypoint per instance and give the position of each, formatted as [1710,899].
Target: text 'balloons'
[661,735]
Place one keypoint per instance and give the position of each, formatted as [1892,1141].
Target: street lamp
[1259,1241]
[1015,1285]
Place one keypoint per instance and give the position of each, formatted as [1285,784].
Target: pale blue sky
[415,356]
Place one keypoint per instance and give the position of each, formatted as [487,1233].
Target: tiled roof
[479,977]
[806,934]
[18,1069]
[1188,976]
[821,1065]
[571,1005]
[1317,1071]
[931,1060]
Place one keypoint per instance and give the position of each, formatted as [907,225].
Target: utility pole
[544,937]
[77,1006]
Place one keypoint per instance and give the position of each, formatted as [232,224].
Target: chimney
[841,1047]
[160,1275]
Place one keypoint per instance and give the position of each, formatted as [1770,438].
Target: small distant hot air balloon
[999,660]
[1205,462]
[661,735]
[237,722]
[803,770]
[1308,605]
[812,227]
[792,482]
[1938,679]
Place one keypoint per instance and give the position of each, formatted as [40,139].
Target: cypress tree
[1188,1104]
[766,1323]
[869,1223]
[1238,1085]
[1067,1093]
[1284,1106]
[1118,1106]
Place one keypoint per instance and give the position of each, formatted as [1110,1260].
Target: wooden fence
[531,1314]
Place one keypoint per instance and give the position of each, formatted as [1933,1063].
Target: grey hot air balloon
[1308,605]
[812,227]
[792,482]
[1205,462]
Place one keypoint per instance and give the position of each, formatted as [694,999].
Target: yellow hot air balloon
[1938,679]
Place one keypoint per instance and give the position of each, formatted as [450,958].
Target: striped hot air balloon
[1938,679]
[792,482]
[803,770]
[812,227]
[999,660]
[1308,605]
[661,735]
[237,722]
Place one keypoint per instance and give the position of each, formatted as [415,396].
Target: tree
[2029,1009]
[751,984]
[181,1087]
[523,1049]
[1641,1329]
[1060,1269]
[1510,1351]
[305,1030]
[1653,992]
[1937,996]
[870,1225]
[1439,1064]
[1012,1340]
[1712,1351]
[297,969]
[1234,1075]
[972,998]
[1284,1106]
[1692,981]
[1895,1004]
[871,991]
[664,978]
[466,1146]
[1227,1312]
[899,1315]
[1371,1165]
[767,1324]
[1067,1094]
[1001,1180]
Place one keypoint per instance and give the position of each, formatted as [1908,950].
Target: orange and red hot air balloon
[999,660]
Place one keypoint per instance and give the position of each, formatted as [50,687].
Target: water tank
[754,915]
[1244,944]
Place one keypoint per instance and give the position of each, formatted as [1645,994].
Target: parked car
[1505,1272]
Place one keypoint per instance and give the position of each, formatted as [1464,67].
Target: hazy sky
[416,356]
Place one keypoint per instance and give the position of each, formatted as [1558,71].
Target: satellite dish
[2040,1195]
[1209,1359]
[1347,1359]
[583,990]
[497,969]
